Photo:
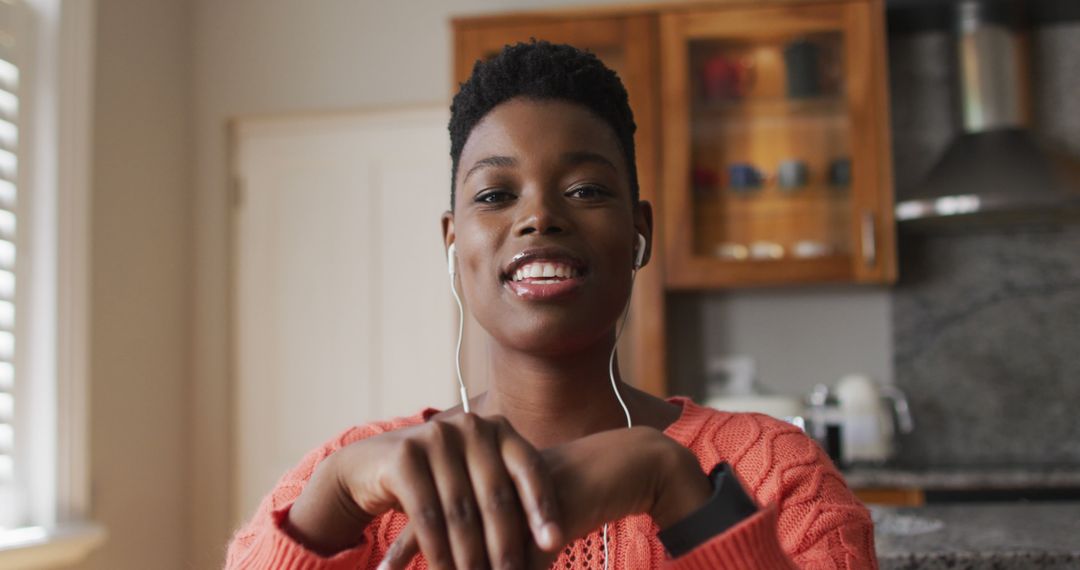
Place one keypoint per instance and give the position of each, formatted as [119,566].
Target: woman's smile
[545,274]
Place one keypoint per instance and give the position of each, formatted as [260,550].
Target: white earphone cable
[615,386]
[457,352]
[611,359]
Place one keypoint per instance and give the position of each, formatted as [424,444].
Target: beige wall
[141,284]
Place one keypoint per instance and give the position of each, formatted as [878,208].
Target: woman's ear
[643,224]
[448,229]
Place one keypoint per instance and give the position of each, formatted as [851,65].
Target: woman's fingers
[415,489]
[403,550]
[505,531]
[535,488]
[473,489]
[452,479]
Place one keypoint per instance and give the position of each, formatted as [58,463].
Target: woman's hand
[604,477]
[472,489]
[617,473]
[613,474]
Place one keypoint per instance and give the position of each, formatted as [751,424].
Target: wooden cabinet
[763,142]
[776,166]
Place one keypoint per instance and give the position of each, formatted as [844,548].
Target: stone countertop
[964,478]
[985,535]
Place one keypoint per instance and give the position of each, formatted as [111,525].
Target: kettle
[868,425]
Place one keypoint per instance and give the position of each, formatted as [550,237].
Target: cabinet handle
[869,245]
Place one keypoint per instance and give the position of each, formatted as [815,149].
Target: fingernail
[547,535]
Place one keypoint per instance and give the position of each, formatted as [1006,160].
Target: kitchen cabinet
[763,142]
[776,150]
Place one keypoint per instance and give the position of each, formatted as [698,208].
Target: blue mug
[744,176]
[840,172]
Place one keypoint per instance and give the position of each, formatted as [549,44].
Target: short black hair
[542,70]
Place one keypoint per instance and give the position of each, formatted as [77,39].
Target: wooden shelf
[820,214]
[701,272]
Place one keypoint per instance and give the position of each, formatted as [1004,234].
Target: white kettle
[868,433]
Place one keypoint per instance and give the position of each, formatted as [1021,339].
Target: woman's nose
[540,212]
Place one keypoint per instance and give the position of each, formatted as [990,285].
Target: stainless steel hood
[997,171]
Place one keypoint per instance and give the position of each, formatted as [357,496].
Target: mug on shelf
[766,250]
[810,248]
[743,176]
[802,61]
[704,179]
[792,174]
[732,251]
[840,172]
[725,77]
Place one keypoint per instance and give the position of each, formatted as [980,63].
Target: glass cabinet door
[771,146]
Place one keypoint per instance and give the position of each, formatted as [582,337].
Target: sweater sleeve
[810,519]
[263,543]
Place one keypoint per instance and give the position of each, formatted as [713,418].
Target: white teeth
[545,271]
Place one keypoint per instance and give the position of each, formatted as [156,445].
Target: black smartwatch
[728,506]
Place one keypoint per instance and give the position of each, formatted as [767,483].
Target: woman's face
[544,226]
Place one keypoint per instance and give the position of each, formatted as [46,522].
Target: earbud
[451,259]
[639,252]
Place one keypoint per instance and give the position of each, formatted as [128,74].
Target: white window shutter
[10,19]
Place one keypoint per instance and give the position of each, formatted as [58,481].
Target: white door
[342,313]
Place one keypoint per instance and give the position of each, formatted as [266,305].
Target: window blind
[9,148]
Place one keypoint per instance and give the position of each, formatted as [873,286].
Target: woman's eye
[586,191]
[493,196]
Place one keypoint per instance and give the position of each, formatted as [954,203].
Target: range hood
[997,171]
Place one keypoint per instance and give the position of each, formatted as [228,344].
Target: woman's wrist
[684,488]
[324,518]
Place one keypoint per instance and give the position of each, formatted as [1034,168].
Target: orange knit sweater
[809,518]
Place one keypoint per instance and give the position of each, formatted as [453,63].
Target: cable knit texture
[809,518]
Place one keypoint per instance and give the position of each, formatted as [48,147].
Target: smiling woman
[545,234]
[559,196]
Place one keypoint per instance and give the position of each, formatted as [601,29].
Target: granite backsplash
[986,323]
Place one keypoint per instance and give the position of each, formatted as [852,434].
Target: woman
[545,233]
